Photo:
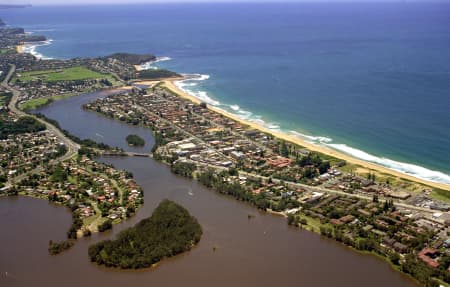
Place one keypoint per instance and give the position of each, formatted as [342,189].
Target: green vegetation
[135,140]
[151,74]
[22,125]
[185,169]
[423,273]
[169,231]
[54,248]
[106,225]
[7,51]
[35,103]
[5,98]
[133,59]
[40,102]
[441,194]
[69,74]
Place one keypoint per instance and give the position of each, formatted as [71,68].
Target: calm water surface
[263,251]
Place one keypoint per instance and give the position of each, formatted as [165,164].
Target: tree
[169,231]
[284,151]
[394,258]
[290,219]
[324,167]
[375,198]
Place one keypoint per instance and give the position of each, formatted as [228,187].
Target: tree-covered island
[170,230]
[135,140]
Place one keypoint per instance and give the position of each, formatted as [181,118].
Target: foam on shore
[407,168]
[190,85]
[192,81]
[149,65]
[31,48]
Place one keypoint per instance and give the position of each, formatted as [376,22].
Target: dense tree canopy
[157,74]
[169,231]
[22,125]
[135,140]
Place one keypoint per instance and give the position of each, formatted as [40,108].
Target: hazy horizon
[84,2]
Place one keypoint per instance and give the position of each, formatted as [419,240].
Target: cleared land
[36,103]
[69,74]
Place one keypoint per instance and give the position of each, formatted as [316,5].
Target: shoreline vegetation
[135,140]
[367,166]
[330,219]
[169,231]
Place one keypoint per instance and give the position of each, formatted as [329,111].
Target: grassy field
[36,103]
[69,74]
[442,195]
[6,51]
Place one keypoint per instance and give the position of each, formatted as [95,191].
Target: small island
[135,140]
[170,230]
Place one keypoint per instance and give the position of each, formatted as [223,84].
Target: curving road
[72,147]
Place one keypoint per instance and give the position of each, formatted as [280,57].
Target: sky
[65,2]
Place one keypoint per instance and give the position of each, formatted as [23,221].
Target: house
[336,222]
[429,256]
[400,248]
[347,218]
[399,194]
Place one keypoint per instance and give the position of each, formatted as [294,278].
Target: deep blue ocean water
[372,80]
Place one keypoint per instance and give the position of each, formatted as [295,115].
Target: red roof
[425,256]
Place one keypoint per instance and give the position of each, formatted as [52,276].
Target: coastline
[170,84]
[363,166]
[138,68]
[20,49]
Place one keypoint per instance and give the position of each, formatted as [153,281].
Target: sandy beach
[138,68]
[370,166]
[20,49]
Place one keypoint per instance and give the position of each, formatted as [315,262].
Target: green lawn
[36,103]
[6,51]
[442,195]
[69,74]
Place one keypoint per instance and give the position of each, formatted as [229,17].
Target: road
[72,147]
[290,184]
[315,188]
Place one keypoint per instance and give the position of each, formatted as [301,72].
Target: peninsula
[169,231]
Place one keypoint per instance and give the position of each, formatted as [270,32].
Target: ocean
[371,80]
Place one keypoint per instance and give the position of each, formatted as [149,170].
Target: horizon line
[163,2]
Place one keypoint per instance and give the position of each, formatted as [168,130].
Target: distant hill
[153,74]
[133,59]
[10,6]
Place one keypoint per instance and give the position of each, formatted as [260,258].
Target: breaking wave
[191,81]
[192,84]
[407,168]
[149,65]
[31,48]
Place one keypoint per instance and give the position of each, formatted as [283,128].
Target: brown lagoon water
[263,251]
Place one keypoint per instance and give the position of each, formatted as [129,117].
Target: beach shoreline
[138,68]
[20,49]
[171,85]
